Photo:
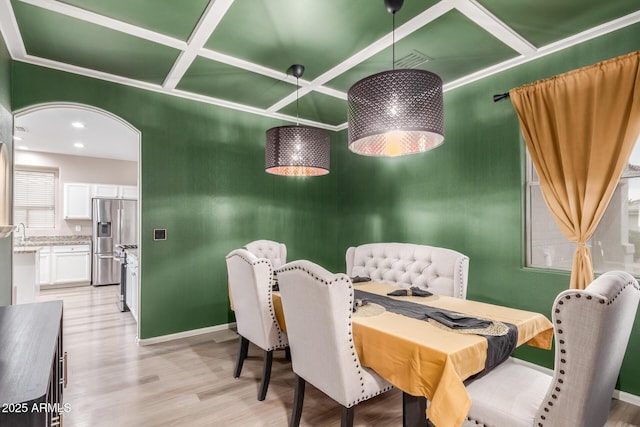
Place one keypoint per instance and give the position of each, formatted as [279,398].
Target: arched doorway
[92,153]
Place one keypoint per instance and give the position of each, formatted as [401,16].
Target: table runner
[499,347]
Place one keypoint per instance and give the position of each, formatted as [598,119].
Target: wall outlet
[78,227]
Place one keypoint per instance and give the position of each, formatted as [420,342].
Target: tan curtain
[580,128]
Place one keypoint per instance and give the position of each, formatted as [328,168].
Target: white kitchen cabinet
[71,264]
[25,276]
[128,191]
[77,201]
[65,264]
[106,191]
[45,265]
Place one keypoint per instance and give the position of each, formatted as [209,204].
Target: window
[34,198]
[615,245]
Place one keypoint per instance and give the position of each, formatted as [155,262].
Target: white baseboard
[627,397]
[533,366]
[186,334]
[620,395]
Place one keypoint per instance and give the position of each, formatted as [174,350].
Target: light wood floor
[189,382]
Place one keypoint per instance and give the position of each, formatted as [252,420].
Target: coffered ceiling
[235,53]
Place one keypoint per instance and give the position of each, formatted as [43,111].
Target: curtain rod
[500,96]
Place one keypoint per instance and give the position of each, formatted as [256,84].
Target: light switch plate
[159,234]
[78,227]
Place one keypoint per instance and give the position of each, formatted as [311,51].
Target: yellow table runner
[424,360]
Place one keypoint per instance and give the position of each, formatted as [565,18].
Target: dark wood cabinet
[32,365]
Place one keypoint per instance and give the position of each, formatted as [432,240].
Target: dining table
[425,359]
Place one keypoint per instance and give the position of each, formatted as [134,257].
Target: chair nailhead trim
[362,397]
[272,313]
[561,372]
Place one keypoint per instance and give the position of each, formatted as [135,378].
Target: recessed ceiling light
[16,138]
[22,147]
[78,145]
[77,125]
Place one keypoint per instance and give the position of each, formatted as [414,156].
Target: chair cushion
[508,396]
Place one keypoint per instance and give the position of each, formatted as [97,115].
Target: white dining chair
[317,307]
[592,329]
[275,252]
[250,283]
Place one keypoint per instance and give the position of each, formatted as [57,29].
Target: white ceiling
[50,130]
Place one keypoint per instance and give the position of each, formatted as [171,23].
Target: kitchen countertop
[23,250]
[52,241]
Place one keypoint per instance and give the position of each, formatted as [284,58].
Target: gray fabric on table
[499,347]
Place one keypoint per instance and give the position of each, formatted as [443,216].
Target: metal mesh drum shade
[395,113]
[297,151]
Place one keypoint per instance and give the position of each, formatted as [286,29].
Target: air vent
[412,60]
[21,129]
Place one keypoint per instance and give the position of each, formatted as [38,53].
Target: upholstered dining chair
[592,329]
[250,281]
[275,252]
[317,307]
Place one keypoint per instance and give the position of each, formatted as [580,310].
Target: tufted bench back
[275,252]
[440,271]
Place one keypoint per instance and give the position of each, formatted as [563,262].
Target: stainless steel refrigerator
[115,222]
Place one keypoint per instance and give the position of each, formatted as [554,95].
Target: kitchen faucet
[24,232]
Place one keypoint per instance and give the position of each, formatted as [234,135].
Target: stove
[120,250]
[120,253]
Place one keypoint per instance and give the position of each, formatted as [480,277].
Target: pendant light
[297,150]
[397,112]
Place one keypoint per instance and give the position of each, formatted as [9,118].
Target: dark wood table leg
[413,411]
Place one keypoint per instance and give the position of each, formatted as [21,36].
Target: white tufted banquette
[439,270]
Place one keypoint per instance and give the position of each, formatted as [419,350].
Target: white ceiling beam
[582,37]
[250,66]
[494,26]
[103,21]
[100,75]
[401,32]
[47,63]
[379,45]
[10,31]
[249,109]
[591,33]
[215,11]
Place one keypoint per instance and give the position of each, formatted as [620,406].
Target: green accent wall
[6,137]
[203,179]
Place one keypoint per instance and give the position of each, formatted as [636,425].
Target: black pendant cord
[393,41]
[297,107]
[297,70]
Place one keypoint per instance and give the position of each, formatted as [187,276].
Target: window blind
[34,198]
